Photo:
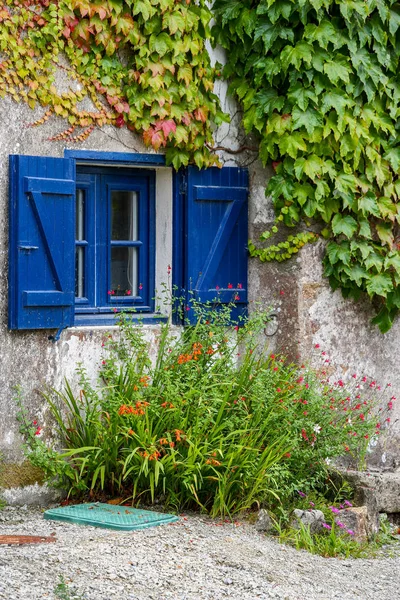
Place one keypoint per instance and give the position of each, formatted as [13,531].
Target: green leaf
[291,144]
[393,156]
[311,166]
[385,233]
[368,205]
[294,55]
[384,319]
[303,192]
[344,224]
[338,70]
[279,186]
[356,273]
[309,119]
[380,285]
[337,100]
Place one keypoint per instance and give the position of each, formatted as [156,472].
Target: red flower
[237,297]
[217,287]
[239,286]
[230,286]
[390,405]
[316,346]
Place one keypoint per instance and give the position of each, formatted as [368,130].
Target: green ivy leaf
[368,205]
[344,224]
[380,285]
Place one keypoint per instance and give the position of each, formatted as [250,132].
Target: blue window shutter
[216,244]
[42,243]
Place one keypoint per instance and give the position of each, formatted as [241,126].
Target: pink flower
[111,293]
[347,503]
[236,328]
[326,526]
[237,297]
[302,494]
[230,286]
[354,376]
[38,432]
[188,308]
[140,286]
[169,269]
[282,293]
[217,287]
[335,510]
[350,531]
[316,346]
[364,379]
[312,504]
[128,292]
[35,422]
[340,524]
[390,405]
[239,286]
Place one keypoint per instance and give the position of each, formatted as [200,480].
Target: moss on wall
[13,475]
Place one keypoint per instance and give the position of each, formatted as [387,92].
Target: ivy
[319,85]
[143,65]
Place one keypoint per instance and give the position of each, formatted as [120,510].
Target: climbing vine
[140,64]
[319,84]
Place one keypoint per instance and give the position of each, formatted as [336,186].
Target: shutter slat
[42,243]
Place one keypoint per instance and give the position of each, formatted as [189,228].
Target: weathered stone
[355,519]
[385,487]
[366,496]
[264,522]
[313,519]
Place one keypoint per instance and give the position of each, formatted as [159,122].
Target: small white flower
[328,461]
[317,428]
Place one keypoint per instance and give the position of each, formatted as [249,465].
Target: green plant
[62,591]
[141,64]
[215,421]
[319,86]
[332,543]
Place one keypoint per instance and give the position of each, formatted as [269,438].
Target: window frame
[107,161]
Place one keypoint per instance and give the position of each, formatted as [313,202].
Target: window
[114,239]
[90,233]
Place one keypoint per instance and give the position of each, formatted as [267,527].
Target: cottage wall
[306,311]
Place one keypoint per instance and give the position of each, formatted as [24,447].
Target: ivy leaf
[310,119]
[384,319]
[178,158]
[374,260]
[368,205]
[380,285]
[387,208]
[337,70]
[344,224]
[336,100]
[294,55]
[385,233]
[393,260]
[303,192]
[174,22]
[278,186]
[356,273]
[311,166]
[393,156]
[291,144]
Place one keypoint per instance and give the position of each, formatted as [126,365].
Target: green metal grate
[109,516]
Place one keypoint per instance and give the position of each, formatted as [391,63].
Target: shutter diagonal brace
[221,240]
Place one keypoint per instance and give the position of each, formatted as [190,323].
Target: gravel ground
[193,559]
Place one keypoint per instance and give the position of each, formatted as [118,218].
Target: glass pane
[124,215]
[80,272]
[80,215]
[124,271]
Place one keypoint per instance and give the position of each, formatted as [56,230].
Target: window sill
[106,319]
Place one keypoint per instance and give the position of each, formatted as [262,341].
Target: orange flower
[131,432]
[210,351]
[167,405]
[163,441]
[172,444]
[178,433]
[213,462]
